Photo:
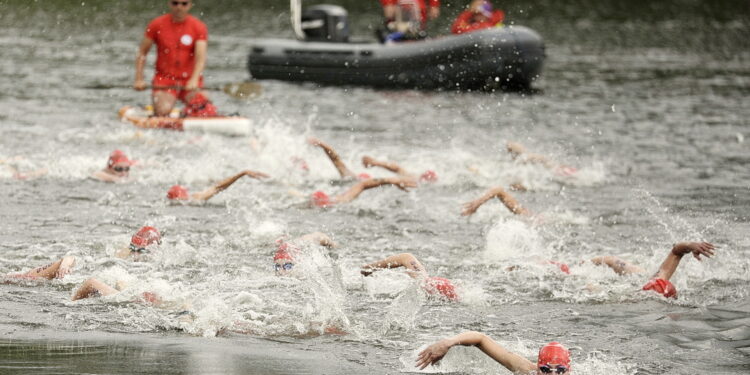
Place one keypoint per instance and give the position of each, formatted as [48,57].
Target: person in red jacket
[181,41]
[407,19]
[480,15]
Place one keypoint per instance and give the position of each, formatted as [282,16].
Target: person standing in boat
[181,42]
[407,19]
[480,15]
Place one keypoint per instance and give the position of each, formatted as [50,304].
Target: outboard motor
[326,23]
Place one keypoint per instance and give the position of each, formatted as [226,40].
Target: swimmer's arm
[319,238]
[105,177]
[93,288]
[140,62]
[65,267]
[497,192]
[335,158]
[219,187]
[670,264]
[513,362]
[357,189]
[618,265]
[410,262]
[201,48]
[393,167]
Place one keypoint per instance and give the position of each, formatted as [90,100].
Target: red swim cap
[118,157]
[145,237]
[283,252]
[178,192]
[150,297]
[321,199]
[429,176]
[363,176]
[562,266]
[553,353]
[661,286]
[440,285]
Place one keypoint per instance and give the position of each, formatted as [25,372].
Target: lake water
[649,101]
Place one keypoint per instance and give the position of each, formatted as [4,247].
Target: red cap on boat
[363,176]
[178,192]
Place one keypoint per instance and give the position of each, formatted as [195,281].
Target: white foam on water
[512,238]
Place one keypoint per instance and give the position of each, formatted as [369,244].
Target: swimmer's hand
[697,248]
[433,354]
[367,161]
[314,141]
[471,207]
[140,85]
[405,183]
[65,267]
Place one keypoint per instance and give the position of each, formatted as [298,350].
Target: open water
[648,100]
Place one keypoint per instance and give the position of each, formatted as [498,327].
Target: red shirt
[175,43]
[464,22]
[420,3]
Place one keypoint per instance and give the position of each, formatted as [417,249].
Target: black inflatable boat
[506,57]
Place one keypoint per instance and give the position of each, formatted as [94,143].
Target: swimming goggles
[137,249]
[559,369]
[285,266]
[121,169]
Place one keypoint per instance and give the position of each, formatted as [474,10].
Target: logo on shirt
[186,40]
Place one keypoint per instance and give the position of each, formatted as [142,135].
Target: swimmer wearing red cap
[180,193]
[343,170]
[56,270]
[427,176]
[117,169]
[142,243]
[437,286]
[659,282]
[553,358]
[519,153]
[321,199]
[497,192]
[288,251]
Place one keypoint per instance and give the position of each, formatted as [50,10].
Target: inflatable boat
[226,125]
[499,57]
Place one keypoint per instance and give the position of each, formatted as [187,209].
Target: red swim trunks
[661,286]
[172,85]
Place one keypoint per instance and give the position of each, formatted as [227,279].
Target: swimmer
[343,170]
[432,285]
[180,193]
[660,280]
[117,169]
[56,270]
[427,176]
[519,153]
[497,192]
[141,243]
[553,358]
[18,175]
[321,199]
[288,251]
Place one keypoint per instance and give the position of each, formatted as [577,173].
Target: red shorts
[661,286]
[172,85]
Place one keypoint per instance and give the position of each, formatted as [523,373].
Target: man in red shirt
[181,41]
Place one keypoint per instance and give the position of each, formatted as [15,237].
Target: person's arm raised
[353,192]
[497,192]
[513,362]
[222,185]
[670,264]
[335,158]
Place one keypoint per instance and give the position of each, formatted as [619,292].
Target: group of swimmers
[552,358]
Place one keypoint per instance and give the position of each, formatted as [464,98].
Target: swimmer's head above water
[283,260]
[428,176]
[320,199]
[553,359]
[144,238]
[178,192]
[118,164]
[440,286]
